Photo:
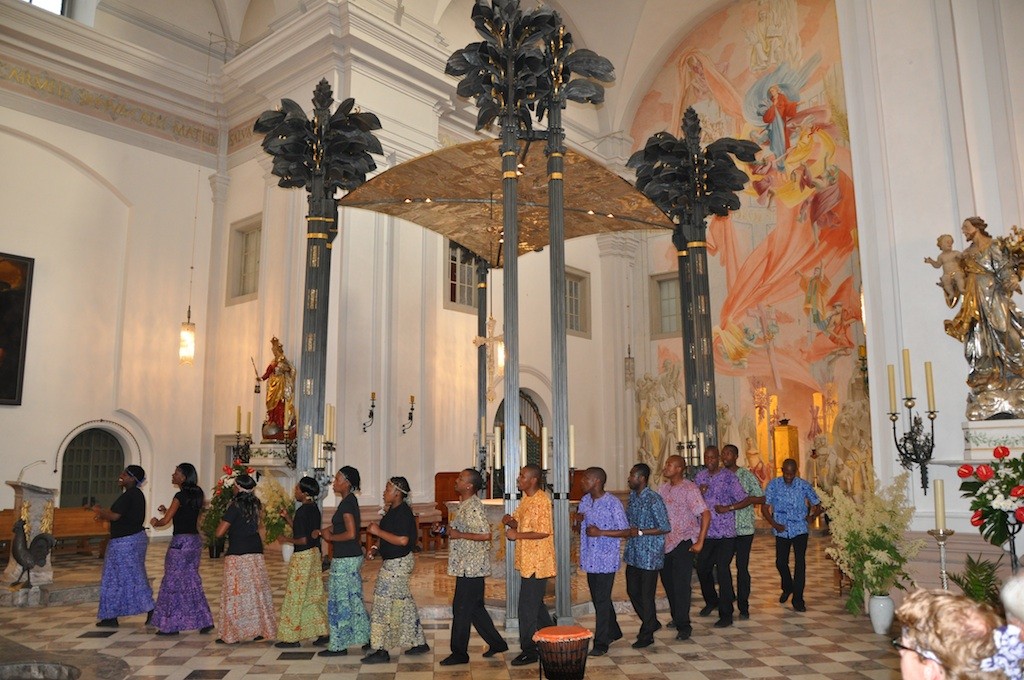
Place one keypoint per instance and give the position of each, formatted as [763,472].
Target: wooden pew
[69,524]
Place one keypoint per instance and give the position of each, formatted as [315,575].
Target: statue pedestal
[495,510]
[271,460]
[981,436]
[34,504]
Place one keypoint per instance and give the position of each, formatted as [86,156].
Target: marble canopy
[456,192]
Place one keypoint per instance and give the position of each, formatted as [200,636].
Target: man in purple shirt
[603,521]
[690,518]
[722,491]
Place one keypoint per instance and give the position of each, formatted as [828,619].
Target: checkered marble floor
[824,642]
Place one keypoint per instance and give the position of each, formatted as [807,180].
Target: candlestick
[238,418]
[909,391]
[941,537]
[248,423]
[892,388]
[497,448]
[572,446]
[522,445]
[689,421]
[939,489]
[373,396]
[412,398]
[543,448]
[929,385]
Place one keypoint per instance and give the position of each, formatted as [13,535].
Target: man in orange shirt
[531,527]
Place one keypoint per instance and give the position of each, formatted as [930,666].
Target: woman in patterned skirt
[246,601]
[181,603]
[346,612]
[394,619]
[304,611]
[124,587]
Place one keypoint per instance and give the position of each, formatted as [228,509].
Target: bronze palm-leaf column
[556,87]
[689,183]
[323,154]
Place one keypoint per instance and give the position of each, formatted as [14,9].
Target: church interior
[881,125]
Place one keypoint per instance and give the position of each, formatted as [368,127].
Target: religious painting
[15,291]
[783,269]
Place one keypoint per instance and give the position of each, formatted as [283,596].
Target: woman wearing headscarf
[346,613]
[304,611]
[394,619]
[246,600]
[124,588]
[181,603]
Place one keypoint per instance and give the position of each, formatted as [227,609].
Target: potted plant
[870,546]
[271,494]
[979,580]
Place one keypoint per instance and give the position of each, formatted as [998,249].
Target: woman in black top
[124,588]
[346,612]
[304,610]
[181,603]
[246,601]
[394,619]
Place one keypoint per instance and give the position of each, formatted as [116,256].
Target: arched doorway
[92,462]
[532,419]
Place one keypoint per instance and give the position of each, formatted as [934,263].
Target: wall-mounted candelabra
[412,407]
[243,445]
[914,446]
[373,405]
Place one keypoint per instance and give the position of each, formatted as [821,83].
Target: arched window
[529,417]
[92,463]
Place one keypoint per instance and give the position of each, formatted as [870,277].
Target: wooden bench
[425,514]
[69,524]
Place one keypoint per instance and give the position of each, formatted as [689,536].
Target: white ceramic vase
[881,609]
[286,552]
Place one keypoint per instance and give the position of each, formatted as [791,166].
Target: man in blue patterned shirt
[645,550]
[789,504]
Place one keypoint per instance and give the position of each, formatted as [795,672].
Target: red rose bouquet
[996,491]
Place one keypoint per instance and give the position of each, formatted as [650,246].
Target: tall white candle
[329,425]
[700,446]
[543,447]
[906,374]
[939,491]
[572,446]
[892,388]
[248,423]
[929,386]
[522,445]
[679,423]
[689,422]
[497,448]
[238,418]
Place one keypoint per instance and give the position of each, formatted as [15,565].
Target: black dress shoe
[800,606]
[640,644]
[598,651]
[723,623]
[418,649]
[366,647]
[683,635]
[492,651]
[744,614]
[671,625]
[149,616]
[322,641]
[380,656]
[525,659]
[287,645]
[206,629]
[167,632]
[708,608]
[107,623]
[785,596]
[331,652]
[455,660]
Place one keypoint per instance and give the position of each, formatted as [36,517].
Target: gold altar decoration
[456,192]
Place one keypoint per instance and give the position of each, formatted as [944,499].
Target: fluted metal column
[481,362]
[510,294]
[559,362]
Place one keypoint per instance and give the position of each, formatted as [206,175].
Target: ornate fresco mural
[785,282]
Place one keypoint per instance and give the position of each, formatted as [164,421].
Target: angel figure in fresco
[989,323]
[755,463]
[777,112]
[816,289]
[650,422]
[952,279]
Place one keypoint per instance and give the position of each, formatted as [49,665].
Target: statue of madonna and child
[983,279]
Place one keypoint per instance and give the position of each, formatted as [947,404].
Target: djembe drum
[563,651]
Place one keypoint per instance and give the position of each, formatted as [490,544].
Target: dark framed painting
[15,293]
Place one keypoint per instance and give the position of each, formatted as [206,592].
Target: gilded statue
[989,323]
[280,377]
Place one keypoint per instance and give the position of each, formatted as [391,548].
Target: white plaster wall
[110,227]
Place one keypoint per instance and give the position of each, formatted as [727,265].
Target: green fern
[979,581]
